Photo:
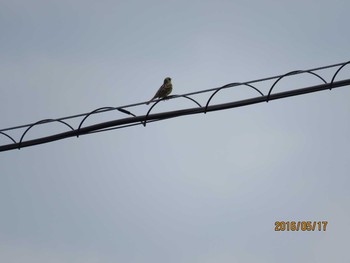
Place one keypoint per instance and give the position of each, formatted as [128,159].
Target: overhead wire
[122,108]
[148,118]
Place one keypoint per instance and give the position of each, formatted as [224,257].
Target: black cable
[131,121]
[143,120]
[122,108]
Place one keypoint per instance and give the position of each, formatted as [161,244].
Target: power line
[147,118]
[230,85]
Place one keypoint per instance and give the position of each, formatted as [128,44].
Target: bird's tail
[151,100]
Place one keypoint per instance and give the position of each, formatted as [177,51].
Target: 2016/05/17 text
[301,225]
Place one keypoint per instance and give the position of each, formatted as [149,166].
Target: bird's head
[167,80]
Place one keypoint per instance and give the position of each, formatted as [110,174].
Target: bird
[163,91]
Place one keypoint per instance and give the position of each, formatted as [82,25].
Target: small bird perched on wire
[164,90]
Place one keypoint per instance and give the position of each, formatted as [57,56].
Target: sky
[200,188]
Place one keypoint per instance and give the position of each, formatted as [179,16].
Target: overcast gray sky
[202,188]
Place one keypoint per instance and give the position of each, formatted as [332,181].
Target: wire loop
[229,86]
[8,136]
[41,122]
[336,73]
[291,74]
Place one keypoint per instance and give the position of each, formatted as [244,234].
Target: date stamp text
[301,225]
